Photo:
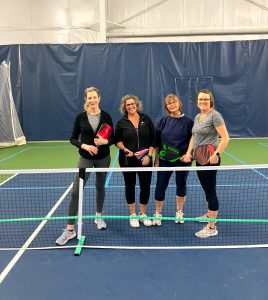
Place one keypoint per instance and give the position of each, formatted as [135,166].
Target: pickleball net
[34,204]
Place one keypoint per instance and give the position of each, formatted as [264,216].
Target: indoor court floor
[131,274]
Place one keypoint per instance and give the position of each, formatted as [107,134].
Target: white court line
[264,144]
[15,154]
[8,179]
[51,147]
[31,238]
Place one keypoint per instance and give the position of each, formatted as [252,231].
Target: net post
[81,239]
[80,209]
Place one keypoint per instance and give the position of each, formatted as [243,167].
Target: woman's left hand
[146,160]
[100,141]
[186,158]
[214,159]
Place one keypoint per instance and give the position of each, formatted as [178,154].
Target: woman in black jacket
[94,152]
[135,132]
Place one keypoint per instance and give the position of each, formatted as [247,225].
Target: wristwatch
[218,154]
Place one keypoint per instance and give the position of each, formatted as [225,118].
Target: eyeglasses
[203,99]
[131,104]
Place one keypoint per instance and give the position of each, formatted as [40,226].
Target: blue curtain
[49,81]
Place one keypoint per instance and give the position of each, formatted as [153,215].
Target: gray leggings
[100,182]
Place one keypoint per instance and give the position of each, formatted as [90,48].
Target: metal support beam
[257,4]
[168,33]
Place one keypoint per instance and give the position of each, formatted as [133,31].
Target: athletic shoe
[134,222]
[204,218]
[100,224]
[179,214]
[206,232]
[157,222]
[65,237]
[146,222]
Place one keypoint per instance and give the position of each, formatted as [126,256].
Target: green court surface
[54,155]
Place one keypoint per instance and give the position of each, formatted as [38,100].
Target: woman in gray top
[208,126]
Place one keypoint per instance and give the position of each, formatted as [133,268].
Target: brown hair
[208,92]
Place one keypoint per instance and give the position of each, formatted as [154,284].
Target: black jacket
[83,129]
[135,139]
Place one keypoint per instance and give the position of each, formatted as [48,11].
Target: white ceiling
[91,21]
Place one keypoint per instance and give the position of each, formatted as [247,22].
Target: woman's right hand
[92,150]
[128,153]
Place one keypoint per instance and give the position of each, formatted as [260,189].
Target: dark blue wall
[49,80]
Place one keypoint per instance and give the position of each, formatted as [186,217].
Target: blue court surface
[135,274]
[138,274]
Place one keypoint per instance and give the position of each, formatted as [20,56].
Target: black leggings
[99,184]
[164,176]
[130,180]
[208,182]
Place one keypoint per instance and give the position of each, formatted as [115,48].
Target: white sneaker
[100,224]
[65,237]
[134,222]
[157,222]
[179,214]
[206,232]
[204,218]
[146,222]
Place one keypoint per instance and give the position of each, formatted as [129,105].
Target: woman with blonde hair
[94,152]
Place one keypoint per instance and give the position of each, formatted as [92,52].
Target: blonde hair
[172,97]
[124,99]
[87,90]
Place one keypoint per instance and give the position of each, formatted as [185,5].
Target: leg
[160,190]
[100,189]
[73,205]
[180,202]
[145,186]
[130,183]
[69,232]
[129,179]
[161,186]
[181,178]
[208,182]
[181,189]
[132,208]
[100,182]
